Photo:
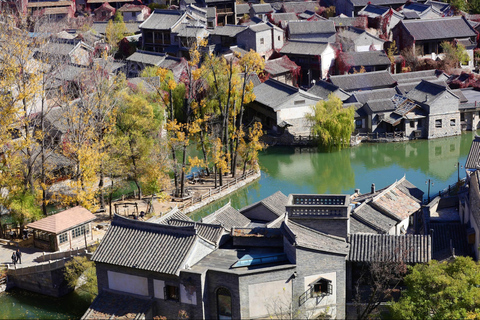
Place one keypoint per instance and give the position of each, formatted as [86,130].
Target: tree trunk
[100,188]
[111,198]
[202,141]
[184,160]
[239,125]
[215,174]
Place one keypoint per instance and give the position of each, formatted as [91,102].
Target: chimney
[373,187]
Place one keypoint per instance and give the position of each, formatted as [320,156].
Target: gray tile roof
[275,203]
[109,305]
[367,58]
[417,76]
[283,16]
[364,81]
[280,66]
[357,226]
[315,240]
[146,246]
[148,58]
[426,91]
[373,218]
[388,3]
[439,5]
[473,159]
[162,20]
[381,247]
[344,21]
[373,11]
[367,95]
[262,8]
[311,27]
[259,27]
[381,105]
[210,232]
[273,93]
[323,89]
[227,217]
[228,30]
[304,48]
[301,6]
[449,235]
[444,28]
[175,213]
[242,8]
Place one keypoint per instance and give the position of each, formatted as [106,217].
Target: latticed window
[322,287]
[224,304]
[63,237]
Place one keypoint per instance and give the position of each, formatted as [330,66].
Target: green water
[301,170]
[21,304]
[296,170]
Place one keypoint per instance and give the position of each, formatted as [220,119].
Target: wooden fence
[217,190]
[382,135]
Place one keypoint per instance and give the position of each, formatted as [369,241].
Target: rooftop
[443,28]
[364,81]
[63,221]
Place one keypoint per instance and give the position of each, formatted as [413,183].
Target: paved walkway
[28,255]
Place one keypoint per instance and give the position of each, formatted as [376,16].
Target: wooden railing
[451,190]
[382,135]
[217,190]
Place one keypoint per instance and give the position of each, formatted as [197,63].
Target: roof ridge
[154,227]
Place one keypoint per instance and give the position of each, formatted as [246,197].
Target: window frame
[63,237]
[438,123]
[171,292]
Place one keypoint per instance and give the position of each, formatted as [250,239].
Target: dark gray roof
[373,11]
[381,247]
[473,159]
[323,89]
[68,72]
[146,57]
[283,16]
[228,30]
[280,66]
[381,105]
[344,21]
[315,240]
[426,91]
[253,77]
[311,27]
[304,48]
[175,213]
[273,93]
[444,28]
[364,81]
[417,76]
[262,8]
[227,217]
[373,217]
[357,226]
[162,20]
[439,5]
[275,203]
[242,8]
[362,3]
[259,27]
[301,6]
[446,236]
[210,232]
[367,95]
[146,246]
[411,14]
[367,58]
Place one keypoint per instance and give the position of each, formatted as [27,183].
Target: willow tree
[332,124]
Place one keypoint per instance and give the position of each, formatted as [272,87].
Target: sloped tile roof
[242,8]
[315,240]
[63,221]
[368,95]
[304,48]
[145,57]
[364,81]
[146,246]
[344,21]
[444,28]
[311,27]
[449,235]
[210,232]
[228,30]
[301,6]
[109,305]
[387,3]
[367,58]
[262,8]
[373,218]
[373,11]
[358,226]
[162,20]
[227,217]
[275,203]
[473,159]
[323,89]
[283,16]
[175,213]
[417,76]
[259,27]
[280,65]
[273,93]
[381,105]
[381,247]
[426,91]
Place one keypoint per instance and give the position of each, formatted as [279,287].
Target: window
[172,293]
[462,116]
[262,41]
[412,124]
[63,237]
[279,38]
[322,287]
[358,123]
[224,304]
[299,102]
[79,231]
[452,123]
[438,123]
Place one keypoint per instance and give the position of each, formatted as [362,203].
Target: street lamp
[429,182]
[458,170]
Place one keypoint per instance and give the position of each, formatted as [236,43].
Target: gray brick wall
[337,227]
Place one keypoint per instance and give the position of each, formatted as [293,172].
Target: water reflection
[306,170]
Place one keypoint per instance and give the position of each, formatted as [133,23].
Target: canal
[299,170]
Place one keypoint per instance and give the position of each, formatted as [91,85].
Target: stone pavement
[28,255]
